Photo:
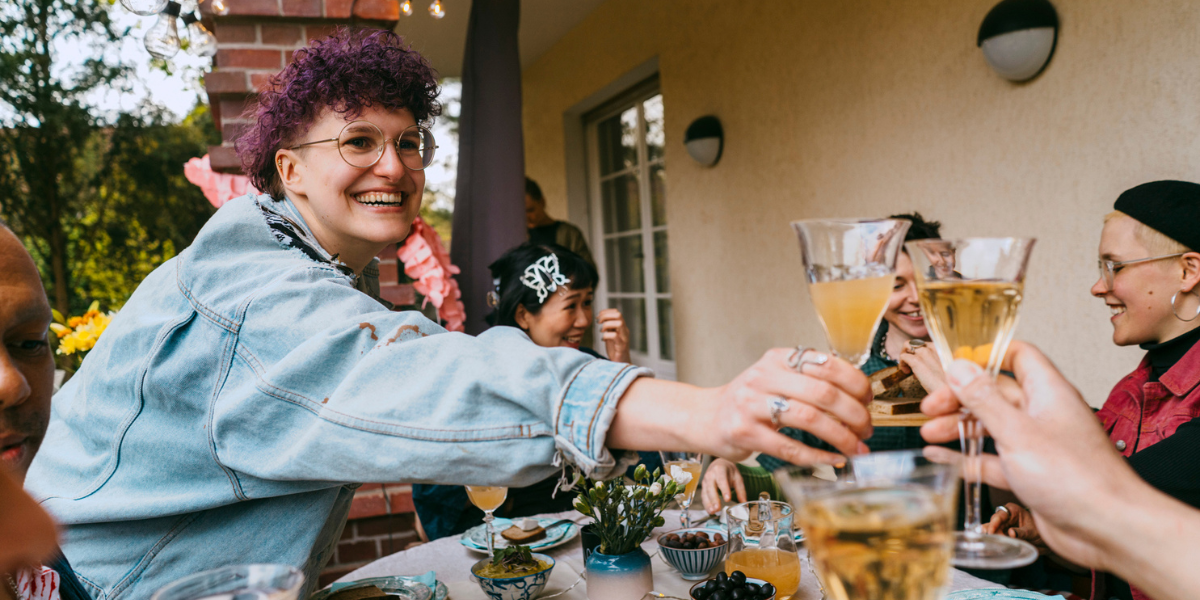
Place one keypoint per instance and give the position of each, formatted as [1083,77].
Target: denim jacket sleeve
[332,387]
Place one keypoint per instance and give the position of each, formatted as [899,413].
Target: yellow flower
[83,332]
[60,330]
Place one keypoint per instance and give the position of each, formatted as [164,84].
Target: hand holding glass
[970,292]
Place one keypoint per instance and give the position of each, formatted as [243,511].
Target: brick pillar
[256,39]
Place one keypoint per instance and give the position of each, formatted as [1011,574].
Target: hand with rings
[799,388]
[920,359]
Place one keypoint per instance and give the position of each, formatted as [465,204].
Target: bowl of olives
[693,552]
[734,586]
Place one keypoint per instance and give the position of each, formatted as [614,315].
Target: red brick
[249,59]
[393,524]
[374,10]
[402,502]
[233,130]
[349,552]
[223,159]
[316,32]
[367,506]
[368,487]
[254,7]
[282,35]
[224,82]
[231,33]
[233,109]
[348,532]
[287,57]
[400,295]
[301,8]
[260,81]
[332,574]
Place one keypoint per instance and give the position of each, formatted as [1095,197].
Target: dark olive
[710,585]
[738,578]
[739,594]
[721,578]
[767,591]
[719,595]
[752,587]
[701,593]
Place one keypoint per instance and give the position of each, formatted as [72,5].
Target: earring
[1173,296]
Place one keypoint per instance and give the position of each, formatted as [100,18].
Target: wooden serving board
[909,420]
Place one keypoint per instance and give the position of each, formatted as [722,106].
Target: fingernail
[819,358]
[840,465]
[962,372]
[863,448]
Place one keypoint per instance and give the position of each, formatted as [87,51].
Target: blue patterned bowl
[526,587]
[693,564]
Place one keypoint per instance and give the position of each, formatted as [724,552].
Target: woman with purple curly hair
[249,383]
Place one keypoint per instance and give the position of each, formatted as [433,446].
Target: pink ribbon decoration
[426,261]
[219,188]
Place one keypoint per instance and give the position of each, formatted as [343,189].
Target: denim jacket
[227,412]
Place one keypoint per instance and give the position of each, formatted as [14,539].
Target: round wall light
[704,140]
[1018,38]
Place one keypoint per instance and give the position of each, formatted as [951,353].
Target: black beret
[1170,207]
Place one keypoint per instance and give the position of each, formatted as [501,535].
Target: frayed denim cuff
[587,410]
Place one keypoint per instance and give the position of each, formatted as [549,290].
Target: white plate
[475,538]
[999,594]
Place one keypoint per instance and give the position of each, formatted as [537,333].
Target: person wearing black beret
[1150,280]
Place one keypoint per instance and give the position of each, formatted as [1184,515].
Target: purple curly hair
[345,72]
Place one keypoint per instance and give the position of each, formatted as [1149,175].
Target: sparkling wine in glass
[883,530]
[850,268]
[691,463]
[488,499]
[971,292]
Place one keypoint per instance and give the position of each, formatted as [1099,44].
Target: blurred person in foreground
[1086,501]
[1149,273]
[26,384]
[903,322]
[253,381]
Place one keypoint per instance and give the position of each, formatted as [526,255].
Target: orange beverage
[689,467]
[780,567]
[487,498]
[850,310]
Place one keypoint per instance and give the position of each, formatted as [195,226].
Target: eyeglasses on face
[361,144]
[1109,268]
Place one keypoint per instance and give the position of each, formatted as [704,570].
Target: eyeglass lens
[361,144]
[1106,273]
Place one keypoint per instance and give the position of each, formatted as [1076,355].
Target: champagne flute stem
[970,434]
[686,503]
[491,537]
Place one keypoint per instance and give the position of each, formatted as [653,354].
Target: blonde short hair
[1155,241]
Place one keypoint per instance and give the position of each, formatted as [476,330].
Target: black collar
[1163,356]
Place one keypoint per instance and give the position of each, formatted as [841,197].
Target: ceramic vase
[618,577]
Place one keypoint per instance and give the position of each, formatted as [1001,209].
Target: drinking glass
[850,267]
[690,462]
[882,529]
[970,292]
[236,582]
[762,544]
[488,499]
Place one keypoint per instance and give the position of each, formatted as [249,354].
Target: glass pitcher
[762,544]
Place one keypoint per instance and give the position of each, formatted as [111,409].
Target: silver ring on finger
[1004,509]
[777,405]
[797,360]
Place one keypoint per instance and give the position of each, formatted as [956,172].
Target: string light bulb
[201,41]
[144,8]
[436,9]
[406,8]
[220,7]
[162,41]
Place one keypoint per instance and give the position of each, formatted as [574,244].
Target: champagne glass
[250,582]
[970,292]
[850,266]
[690,462]
[488,498]
[883,529]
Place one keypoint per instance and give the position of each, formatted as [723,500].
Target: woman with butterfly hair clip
[547,291]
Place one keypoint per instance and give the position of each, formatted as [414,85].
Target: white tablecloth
[452,563]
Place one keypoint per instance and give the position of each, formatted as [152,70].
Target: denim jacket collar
[292,231]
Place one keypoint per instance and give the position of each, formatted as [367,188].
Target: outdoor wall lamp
[704,140]
[1018,37]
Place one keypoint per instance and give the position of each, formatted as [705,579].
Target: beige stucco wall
[869,107]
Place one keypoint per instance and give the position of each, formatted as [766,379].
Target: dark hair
[508,269]
[345,72]
[533,190]
[920,228]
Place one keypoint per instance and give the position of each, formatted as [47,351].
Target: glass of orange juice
[850,266]
[762,544]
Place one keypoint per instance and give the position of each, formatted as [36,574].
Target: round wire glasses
[361,145]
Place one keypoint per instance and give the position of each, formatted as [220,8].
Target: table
[452,563]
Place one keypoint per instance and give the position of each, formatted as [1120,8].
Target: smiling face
[26,363]
[353,212]
[564,318]
[1140,298]
[904,308]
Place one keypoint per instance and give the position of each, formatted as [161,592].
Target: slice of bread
[520,536]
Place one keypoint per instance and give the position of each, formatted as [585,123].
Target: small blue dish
[525,587]
[696,563]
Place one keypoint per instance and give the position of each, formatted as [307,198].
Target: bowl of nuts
[693,552]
